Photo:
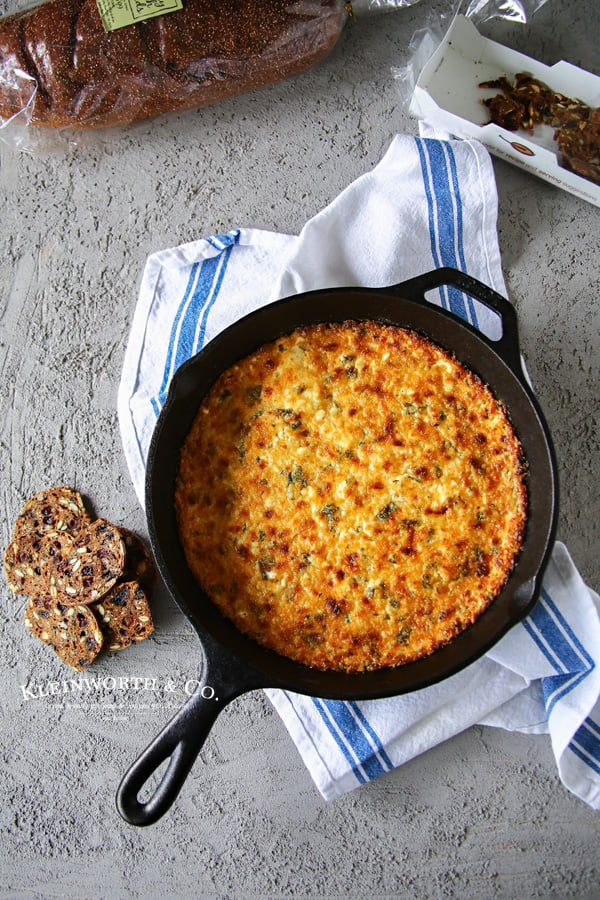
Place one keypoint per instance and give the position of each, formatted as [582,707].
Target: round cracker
[139,562]
[54,509]
[49,514]
[86,567]
[124,616]
[71,631]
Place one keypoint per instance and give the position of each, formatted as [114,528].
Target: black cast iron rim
[239,660]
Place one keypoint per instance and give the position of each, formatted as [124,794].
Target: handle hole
[151,785]
[468,308]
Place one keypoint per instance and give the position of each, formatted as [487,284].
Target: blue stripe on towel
[372,734]
[552,634]
[556,639]
[460,247]
[341,741]
[421,147]
[209,273]
[211,298]
[444,206]
[555,687]
[355,737]
[586,744]
[189,324]
[172,345]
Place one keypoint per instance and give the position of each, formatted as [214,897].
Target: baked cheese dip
[351,496]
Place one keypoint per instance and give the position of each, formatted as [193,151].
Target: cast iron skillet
[232,663]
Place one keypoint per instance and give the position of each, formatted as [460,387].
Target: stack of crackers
[88,582]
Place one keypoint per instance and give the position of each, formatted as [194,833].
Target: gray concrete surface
[483,815]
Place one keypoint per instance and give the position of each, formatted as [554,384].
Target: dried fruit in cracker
[86,567]
[72,631]
[124,616]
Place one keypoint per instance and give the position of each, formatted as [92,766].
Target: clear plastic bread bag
[438,20]
[75,64]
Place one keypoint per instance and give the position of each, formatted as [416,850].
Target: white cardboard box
[448,96]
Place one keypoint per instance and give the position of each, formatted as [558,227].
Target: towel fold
[428,203]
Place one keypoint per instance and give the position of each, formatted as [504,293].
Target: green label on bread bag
[119,13]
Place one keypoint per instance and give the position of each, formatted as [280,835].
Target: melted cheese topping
[351,496]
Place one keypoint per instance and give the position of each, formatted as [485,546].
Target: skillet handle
[507,346]
[182,738]
[180,742]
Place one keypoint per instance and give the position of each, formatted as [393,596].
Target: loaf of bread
[75,74]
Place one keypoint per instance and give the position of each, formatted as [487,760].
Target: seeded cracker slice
[124,616]
[54,509]
[22,565]
[72,631]
[88,566]
[53,512]
[139,562]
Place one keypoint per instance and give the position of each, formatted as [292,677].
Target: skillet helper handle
[507,345]
[180,741]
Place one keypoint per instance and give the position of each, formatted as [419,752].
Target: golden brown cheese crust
[351,496]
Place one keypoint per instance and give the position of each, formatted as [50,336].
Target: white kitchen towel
[428,203]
